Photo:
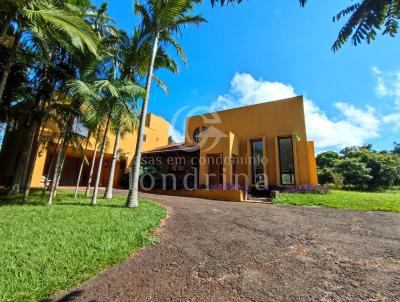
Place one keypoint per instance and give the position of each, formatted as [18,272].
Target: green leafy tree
[171,140]
[327,159]
[396,148]
[383,167]
[355,173]
[161,20]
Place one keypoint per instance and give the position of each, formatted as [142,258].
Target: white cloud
[393,119]
[176,134]
[355,126]
[387,84]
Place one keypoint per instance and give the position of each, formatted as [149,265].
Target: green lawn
[365,201]
[44,250]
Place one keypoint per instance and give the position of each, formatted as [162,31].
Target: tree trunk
[57,169]
[31,162]
[108,194]
[81,167]
[61,169]
[19,180]
[52,160]
[132,201]
[5,26]
[93,163]
[7,67]
[99,167]
[60,161]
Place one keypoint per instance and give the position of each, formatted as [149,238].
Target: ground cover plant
[48,249]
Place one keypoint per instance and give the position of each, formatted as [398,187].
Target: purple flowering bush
[309,189]
[222,187]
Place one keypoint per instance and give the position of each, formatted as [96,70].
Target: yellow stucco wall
[156,133]
[267,122]
[225,195]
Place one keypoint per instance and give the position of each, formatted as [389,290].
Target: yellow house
[256,147]
[156,135]
[263,145]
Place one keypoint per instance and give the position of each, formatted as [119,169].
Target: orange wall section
[267,122]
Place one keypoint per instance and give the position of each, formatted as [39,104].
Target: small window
[144,137]
[286,161]
[196,135]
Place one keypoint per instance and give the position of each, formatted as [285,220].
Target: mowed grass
[364,201]
[46,249]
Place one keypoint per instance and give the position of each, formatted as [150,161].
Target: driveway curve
[221,251]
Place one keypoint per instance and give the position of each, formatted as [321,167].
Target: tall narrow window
[286,161]
[196,135]
[257,161]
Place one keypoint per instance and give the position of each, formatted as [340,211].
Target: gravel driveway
[221,251]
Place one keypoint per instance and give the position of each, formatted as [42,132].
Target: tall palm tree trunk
[60,160]
[52,161]
[31,163]
[57,170]
[132,201]
[108,194]
[99,167]
[23,167]
[60,173]
[92,164]
[81,167]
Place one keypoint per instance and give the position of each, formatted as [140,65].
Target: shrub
[222,187]
[309,189]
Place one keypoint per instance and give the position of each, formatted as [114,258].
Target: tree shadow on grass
[37,198]
[71,296]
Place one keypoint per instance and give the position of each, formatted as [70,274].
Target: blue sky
[260,50]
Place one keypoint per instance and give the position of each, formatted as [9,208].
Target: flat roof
[173,148]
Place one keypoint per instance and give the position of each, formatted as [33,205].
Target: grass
[46,249]
[364,201]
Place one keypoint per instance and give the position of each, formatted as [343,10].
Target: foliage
[359,168]
[365,18]
[162,22]
[227,187]
[309,189]
[364,201]
[171,140]
[45,249]
[396,148]
[354,172]
[327,159]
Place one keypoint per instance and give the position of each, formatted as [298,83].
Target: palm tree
[55,34]
[124,121]
[29,21]
[112,96]
[161,19]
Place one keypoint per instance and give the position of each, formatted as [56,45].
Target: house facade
[263,145]
[156,135]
